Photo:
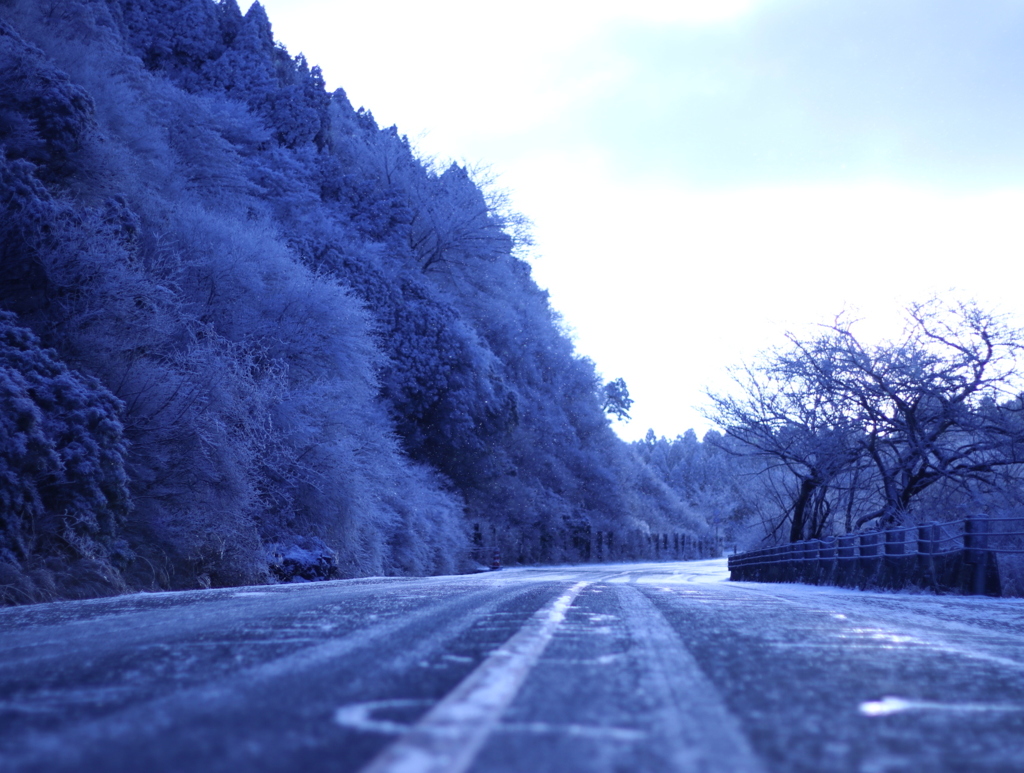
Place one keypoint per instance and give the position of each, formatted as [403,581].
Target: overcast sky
[706,175]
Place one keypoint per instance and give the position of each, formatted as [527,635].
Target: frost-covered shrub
[302,559]
[63,487]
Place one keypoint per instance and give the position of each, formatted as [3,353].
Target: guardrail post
[895,573]
[847,545]
[782,564]
[869,544]
[827,548]
[927,547]
[927,539]
[814,554]
[826,560]
[975,555]
[846,563]
[869,565]
[895,542]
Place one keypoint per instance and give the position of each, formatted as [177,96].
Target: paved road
[654,667]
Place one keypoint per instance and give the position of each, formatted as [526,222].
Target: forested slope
[247,335]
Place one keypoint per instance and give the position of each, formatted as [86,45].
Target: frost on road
[653,667]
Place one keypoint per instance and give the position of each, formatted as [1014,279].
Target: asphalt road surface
[649,667]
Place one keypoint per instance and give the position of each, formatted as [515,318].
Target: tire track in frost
[693,726]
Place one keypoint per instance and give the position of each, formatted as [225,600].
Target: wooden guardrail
[957,556]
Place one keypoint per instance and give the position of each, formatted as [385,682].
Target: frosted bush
[63,488]
[302,559]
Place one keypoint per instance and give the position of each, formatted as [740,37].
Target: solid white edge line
[450,735]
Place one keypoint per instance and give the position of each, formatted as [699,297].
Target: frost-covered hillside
[246,334]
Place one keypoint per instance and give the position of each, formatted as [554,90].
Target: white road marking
[892,705]
[450,735]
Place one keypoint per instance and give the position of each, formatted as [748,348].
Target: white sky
[705,175]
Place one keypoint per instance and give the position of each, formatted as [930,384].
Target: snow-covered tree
[864,431]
